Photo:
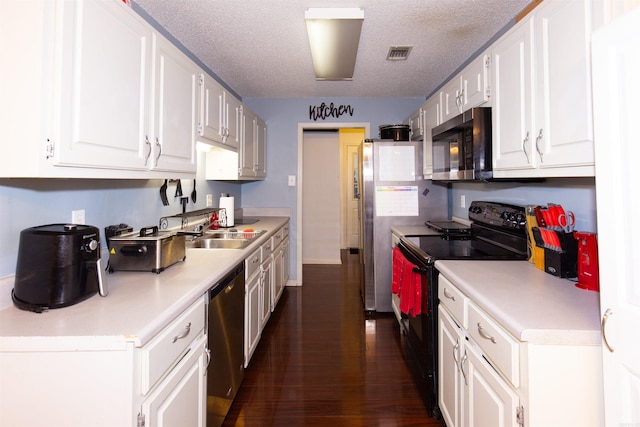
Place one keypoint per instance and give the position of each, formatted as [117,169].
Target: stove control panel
[498,214]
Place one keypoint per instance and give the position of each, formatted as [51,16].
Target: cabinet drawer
[497,345]
[251,264]
[167,348]
[266,249]
[453,299]
[278,237]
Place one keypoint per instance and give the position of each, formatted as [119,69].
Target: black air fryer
[58,265]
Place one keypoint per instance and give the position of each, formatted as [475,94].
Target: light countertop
[139,304]
[532,305]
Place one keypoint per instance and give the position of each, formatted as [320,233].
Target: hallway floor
[323,362]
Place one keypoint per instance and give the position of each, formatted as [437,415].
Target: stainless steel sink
[224,239]
[218,243]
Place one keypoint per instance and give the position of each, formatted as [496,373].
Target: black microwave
[462,147]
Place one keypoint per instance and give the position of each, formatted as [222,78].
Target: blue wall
[282,117]
[31,202]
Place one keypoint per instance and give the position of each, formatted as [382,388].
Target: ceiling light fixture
[334,35]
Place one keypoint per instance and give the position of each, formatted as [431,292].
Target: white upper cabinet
[542,114]
[106,96]
[176,82]
[219,116]
[431,120]
[470,88]
[102,90]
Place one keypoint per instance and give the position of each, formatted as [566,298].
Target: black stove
[497,232]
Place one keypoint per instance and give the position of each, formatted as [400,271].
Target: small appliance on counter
[58,265]
[146,250]
[588,274]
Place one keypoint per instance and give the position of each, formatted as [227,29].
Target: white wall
[321,198]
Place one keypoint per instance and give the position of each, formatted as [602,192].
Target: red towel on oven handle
[406,282]
[411,298]
[397,267]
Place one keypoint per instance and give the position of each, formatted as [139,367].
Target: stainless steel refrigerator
[393,192]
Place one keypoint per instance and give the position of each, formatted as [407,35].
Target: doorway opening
[328,190]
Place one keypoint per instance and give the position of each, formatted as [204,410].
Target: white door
[616,89]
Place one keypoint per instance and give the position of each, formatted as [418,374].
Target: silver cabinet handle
[448,295]
[159,150]
[485,335]
[538,139]
[464,359]
[605,317]
[146,142]
[455,353]
[208,353]
[184,333]
[524,146]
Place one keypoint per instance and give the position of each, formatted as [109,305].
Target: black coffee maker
[58,265]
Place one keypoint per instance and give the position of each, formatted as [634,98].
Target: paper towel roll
[226,203]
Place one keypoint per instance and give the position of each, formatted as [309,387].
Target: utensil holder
[563,263]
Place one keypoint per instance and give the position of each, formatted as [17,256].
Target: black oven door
[421,331]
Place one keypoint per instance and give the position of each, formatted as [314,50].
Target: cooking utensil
[163,193]
[193,192]
[567,221]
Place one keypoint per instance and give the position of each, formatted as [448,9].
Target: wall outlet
[292,180]
[463,201]
[77,217]
[209,200]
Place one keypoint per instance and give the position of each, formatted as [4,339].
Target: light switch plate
[292,180]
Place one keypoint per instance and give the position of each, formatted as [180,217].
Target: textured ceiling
[260,49]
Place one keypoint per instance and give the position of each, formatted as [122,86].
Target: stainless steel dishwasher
[226,344]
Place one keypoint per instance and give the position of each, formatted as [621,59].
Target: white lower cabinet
[180,400]
[80,381]
[252,318]
[280,263]
[486,377]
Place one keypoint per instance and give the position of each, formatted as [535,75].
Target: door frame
[301,128]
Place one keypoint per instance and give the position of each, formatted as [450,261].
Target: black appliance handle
[134,250]
[148,231]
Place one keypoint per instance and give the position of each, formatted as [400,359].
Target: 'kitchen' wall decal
[323,111]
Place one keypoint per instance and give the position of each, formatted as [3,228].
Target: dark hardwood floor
[323,362]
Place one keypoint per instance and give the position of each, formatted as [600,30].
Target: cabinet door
[474,80]
[489,400]
[104,87]
[278,273]
[266,292]
[431,120]
[563,132]
[450,100]
[450,381]
[180,400]
[511,112]
[233,113]
[253,320]
[260,161]
[176,82]
[248,144]
[211,120]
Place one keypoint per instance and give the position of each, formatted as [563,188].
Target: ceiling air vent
[398,53]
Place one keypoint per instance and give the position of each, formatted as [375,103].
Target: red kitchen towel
[397,266]
[407,284]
